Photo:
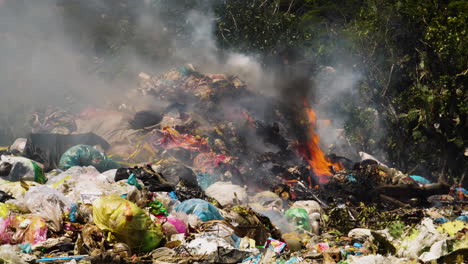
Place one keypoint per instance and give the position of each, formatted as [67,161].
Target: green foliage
[361,127]
[396,229]
[258,27]
[414,61]
[343,219]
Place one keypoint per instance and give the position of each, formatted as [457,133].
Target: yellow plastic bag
[5,209]
[452,227]
[16,189]
[126,223]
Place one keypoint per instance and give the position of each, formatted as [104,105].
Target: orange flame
[316,158]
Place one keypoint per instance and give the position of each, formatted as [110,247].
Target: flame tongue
[315,156]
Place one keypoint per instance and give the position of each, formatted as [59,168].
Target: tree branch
[388,81]
[290,5]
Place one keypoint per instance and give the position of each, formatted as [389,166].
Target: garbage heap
[205,175]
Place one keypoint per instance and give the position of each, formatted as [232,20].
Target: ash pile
[197,171]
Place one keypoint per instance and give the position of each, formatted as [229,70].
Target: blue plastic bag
[206,179]
[463,218]
[420,179]
[441,220]
[84,155]
[200,208]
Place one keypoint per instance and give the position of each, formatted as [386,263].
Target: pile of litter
[210,177]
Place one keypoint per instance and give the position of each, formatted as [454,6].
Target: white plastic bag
[85,184]
[425,236]
[45,202]
[226,193]
[23,169]
[9,254]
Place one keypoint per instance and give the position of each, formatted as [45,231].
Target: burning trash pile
[210,177]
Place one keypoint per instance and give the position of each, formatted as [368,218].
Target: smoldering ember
[233,132]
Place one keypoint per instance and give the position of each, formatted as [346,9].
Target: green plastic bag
[84,155]
[126,223]
[299,217]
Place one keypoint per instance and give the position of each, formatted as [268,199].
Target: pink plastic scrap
[169,138]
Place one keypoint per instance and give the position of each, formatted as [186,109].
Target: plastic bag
[420,179]
[23,169]
[453,227]
[206,179]
[423,236]
[84,155]
[19,144]
[200,208]
[299,217]
[179,225]
[71,175]
[173,225]
[47,203]
[5,196]
[127,223]
[310,206]
[313,210]
[19,229]
[268,201]
[8,254]
[207,245]
[16,189]
[5,209]
[85,184]
[5,234]
[227,193]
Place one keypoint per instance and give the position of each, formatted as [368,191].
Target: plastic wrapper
[200,208]
[275,245]
[126,223]
[84,155]
[157,208]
